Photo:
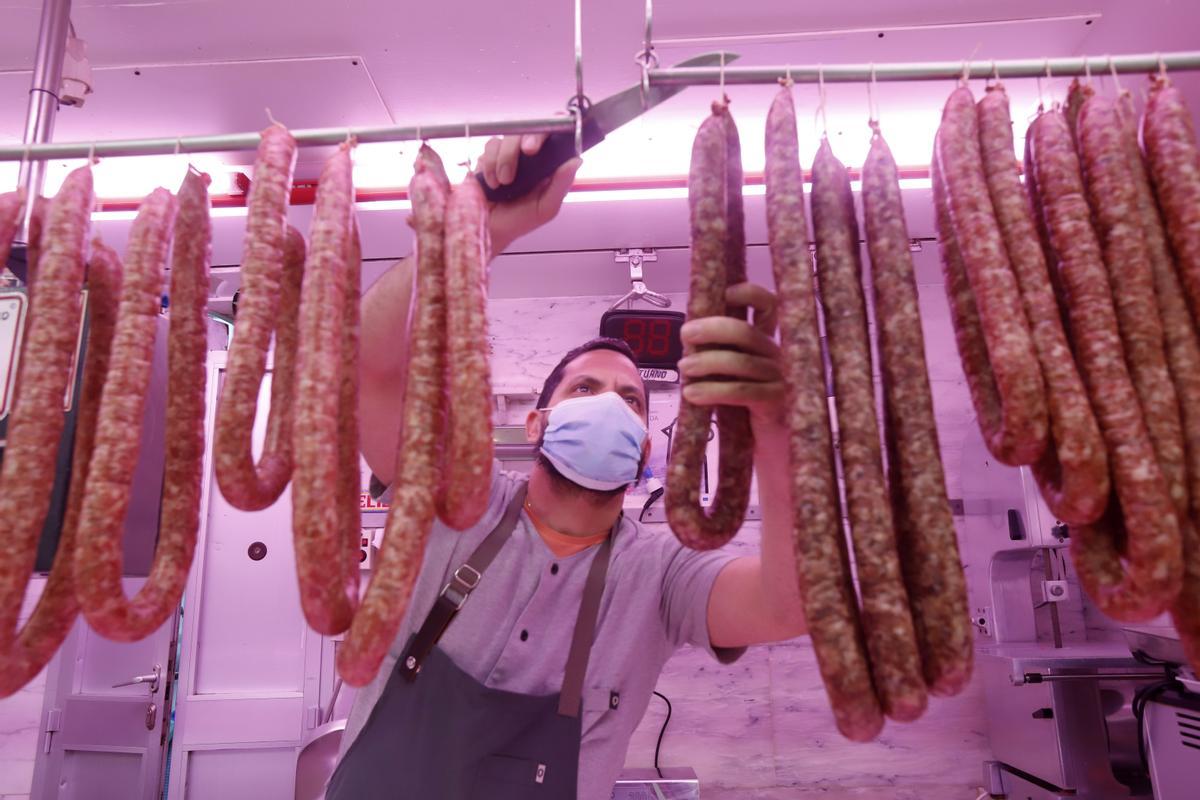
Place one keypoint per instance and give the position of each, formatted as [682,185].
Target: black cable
[658,746]
[657,493]
[1141,697]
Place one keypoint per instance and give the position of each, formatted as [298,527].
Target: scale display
[653,336]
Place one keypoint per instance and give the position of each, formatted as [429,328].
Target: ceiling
[179,67]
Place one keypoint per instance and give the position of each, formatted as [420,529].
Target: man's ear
[533,426]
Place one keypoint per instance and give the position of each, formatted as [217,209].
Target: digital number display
[652,335]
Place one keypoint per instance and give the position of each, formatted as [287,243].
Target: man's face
[595,372]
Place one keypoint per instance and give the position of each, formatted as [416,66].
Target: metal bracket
[635,257]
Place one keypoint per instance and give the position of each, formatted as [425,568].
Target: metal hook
[579,50]
[821,100]
[577,112]
[723,96]
[872,108]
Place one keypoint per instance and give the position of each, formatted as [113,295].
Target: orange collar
[563,545]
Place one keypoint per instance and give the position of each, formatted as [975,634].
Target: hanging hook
[1112,68]
[724,97]
[467,146]
[579,51]
[577,112]
[872,107]
[821,101]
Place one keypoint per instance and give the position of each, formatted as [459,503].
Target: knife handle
[558,149]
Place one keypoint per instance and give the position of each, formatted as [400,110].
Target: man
[534,687]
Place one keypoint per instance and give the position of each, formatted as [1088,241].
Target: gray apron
[449,737]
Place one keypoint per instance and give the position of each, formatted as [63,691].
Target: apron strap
[570,699]
[462,583]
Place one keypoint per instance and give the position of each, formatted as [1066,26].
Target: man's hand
[498,165]
[744,355]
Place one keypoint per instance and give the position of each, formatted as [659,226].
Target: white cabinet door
[249,669]
[103,722]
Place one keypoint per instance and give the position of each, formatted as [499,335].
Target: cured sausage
[58,607]
[1116,216]
[271,266]
[36,422]
[98,559]
[1174,160]
[11,204]
[717,260]
[928,549]
[466,480]
[1153,545]
[1183,359]
[1073,470]
[825,582]
[1021,434]
[349,465]
[884,603]
[418,460]
[964,314]
[316,522]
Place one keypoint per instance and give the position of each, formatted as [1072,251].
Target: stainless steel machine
[1065,688]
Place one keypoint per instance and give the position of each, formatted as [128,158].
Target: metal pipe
[305,137]
[1042,677]
[928,70]
[833,73]
[43,97]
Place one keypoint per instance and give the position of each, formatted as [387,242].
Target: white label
[658,375]
[12,325]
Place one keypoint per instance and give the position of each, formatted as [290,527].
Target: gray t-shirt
[515,631]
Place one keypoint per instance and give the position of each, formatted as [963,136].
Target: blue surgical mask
[595,441]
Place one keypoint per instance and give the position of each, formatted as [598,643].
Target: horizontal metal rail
[928,70]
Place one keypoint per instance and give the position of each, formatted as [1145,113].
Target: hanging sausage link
[36,422]
[466,480]
[718,260]
[1018,434]
[825,583]
[99,560]
[271,268]
[58,607]
[1072,472]
[928,547]
[327,598]
[419,454]
[1153,542]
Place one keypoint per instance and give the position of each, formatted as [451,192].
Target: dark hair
[599,343]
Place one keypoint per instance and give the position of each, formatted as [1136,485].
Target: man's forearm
[780,578]
[383,358]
